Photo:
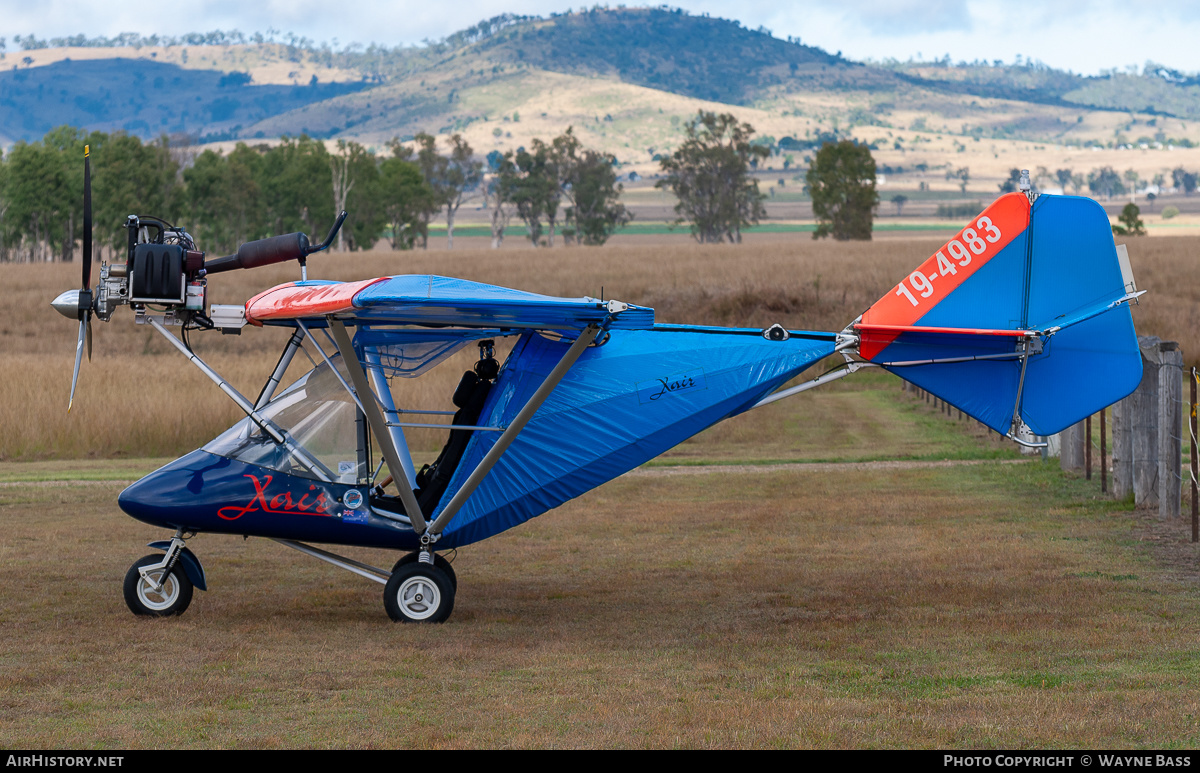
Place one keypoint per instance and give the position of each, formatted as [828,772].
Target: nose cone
[174,496]
[67,304]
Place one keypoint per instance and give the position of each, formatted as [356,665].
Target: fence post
[1070,450]
[1144,426]
[1103,454]
[1122,449]
[1170,429]
[1087,448]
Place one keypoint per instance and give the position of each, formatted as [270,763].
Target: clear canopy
[316,413]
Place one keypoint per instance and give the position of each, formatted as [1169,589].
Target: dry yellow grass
[137,381]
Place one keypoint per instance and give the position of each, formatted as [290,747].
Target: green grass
[78,470]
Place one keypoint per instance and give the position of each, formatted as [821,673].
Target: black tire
[418,593]
[438,561]
[142,599]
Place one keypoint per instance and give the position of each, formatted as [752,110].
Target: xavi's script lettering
[673,385]
[313,502]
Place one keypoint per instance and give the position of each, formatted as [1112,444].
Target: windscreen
[317,414]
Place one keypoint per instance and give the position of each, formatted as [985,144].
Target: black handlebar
[337,226]
[276,249]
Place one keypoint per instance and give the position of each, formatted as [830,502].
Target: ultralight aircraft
[1021,321]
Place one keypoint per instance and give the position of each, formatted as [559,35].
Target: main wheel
[143,599]
[438,561]
[418,593]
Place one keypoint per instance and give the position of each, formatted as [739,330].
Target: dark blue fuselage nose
[203,492]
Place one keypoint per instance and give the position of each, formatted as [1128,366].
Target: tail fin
[1021,317]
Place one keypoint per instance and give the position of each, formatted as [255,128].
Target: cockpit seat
[432,480]
[469,398]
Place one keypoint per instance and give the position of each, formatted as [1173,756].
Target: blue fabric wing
[439,300]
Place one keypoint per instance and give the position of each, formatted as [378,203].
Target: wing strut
[285,359]
[395,428]
[370,409]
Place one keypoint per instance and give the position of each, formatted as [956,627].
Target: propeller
[78,303]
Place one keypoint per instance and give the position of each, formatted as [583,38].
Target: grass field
[992,603]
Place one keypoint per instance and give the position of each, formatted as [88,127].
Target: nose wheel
[158,592]
[418,593]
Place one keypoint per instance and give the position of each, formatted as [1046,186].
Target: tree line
[1106,182]
[298,184]
[557,189]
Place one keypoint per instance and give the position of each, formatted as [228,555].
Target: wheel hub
[419,598]
[162,597]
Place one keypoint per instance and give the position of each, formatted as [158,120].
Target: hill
[627,79]
[263,89]
[143,97]
[1155,90]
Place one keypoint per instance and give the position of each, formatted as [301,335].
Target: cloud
[897,18]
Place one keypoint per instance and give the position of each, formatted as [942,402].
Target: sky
[1078,35]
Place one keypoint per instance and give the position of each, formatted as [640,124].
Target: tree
[4,205]
[841,182]
[1184,179]
[364,202]
[42,193]
[297,187]
[589,182]
[36,177]
[1134,180]
[433,170]
[495,193]
[130,177]
[530,182]
[246,203]
[340,165]
[450,178]
[64,148]
[1105,182]
[1063,176]
[405,197]
[463,175]
[494,197]
[710,176]
[224,199]
[1012,184]
[1131,223]
[964,176]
